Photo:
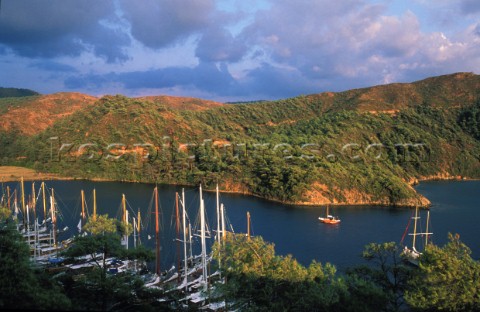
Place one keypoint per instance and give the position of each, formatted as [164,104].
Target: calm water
[294,230]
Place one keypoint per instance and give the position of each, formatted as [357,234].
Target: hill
[33,114]
[362,146]
[14,92]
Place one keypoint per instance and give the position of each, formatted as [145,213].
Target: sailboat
[329,219]
[412,254]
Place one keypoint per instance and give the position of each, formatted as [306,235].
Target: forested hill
[14,92]
[362,146]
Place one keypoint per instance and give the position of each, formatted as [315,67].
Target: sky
[232,50]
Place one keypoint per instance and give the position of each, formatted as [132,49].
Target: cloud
[53,66]
[470,6]
[62,27]
[206,76]
[244,49]
[218,45]
[160,23]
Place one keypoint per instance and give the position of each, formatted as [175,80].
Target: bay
[294,230]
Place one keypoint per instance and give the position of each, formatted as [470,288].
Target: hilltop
[362,146]
[15,92]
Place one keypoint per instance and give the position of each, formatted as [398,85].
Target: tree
[258,279]
[96,289]
[21,287]
[384,281]
[447,279]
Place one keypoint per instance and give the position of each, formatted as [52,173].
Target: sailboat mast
[426,230]
[8,197]
[218,216]
[125,219]
[204,249]
[138,226]
[177,230]
[224,233]
[415,228]
[126,228]
[23,202]
[44,202]
[134,233]
[28,226]
[94,205]
[157,234]
[54,218]
[82,194]
[34,202]
[248,225]
[184,217]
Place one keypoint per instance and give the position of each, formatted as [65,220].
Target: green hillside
[15,92]
[363,146]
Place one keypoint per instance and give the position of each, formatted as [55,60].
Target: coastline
[14,174]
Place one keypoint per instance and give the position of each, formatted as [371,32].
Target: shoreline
[14,174]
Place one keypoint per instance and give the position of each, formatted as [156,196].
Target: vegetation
[447,279]
[21,286]
[356,147]
[15,92]
[257,279]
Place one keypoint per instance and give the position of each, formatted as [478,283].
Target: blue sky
[232,50]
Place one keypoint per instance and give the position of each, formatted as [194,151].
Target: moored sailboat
[329,219]
[411,255]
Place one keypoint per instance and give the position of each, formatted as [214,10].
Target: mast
[54,218]
[248,225]
[138,226]
[28,227]
[426,230]
[126,226]
[44,202]
[415,228]
[94,205]
[34,202]
[23,202]
[82,193]
[125,220]
[224,233]
[177,229]
[218,216]
[202,235]
[15,202]
[134,233]
[8,197]
[157,234]
[184,217]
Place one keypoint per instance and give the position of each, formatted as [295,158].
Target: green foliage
[257,279]
[20,286]
[5,213]
[101,224]
[15,92]
[469,120]
[447,279]
[275,149]
[384,281]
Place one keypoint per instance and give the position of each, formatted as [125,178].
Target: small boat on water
[329,219]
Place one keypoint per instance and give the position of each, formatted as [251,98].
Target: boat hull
[329,221]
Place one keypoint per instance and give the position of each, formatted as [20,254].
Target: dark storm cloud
[218,45]
[206,76]
[50,28]
[160,23]
[53,66]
